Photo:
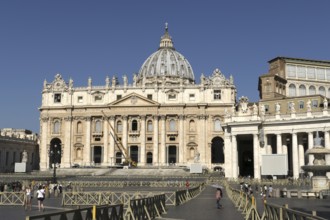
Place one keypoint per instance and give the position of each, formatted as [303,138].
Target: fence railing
[247,205]
[11,198]
[108,211]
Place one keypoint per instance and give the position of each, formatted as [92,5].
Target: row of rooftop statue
[243,104]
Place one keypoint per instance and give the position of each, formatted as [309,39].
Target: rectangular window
[118,97]
[291,70]
[301,104]
[172,97]
[149,96]
[266,108]
[80,99]
[172,138]
[98,98]
[192,97]
[301,72]
[217,94]
[320,73]
[57,98]
[149,138]
[311,73]
[315,103]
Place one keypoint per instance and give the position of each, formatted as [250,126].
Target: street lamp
[53,154]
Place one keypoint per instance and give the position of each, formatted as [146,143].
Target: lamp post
[53,154]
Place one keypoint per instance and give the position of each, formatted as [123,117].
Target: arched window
[149,126]
[312,90]
[119,127]
[79,127]
[134,125]
[172,125]
[192,126]
[217,125]
[98,126]
[302,90]
[292,90]
[57,127]
[322,91]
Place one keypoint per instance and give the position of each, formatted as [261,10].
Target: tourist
[270,190]
[27,198]
[41,197]
[218,196]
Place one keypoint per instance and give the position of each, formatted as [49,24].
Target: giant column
[44,144]
[310,146]
[181,139]
[163,141]
[112,141]
[202,143]
[155,152]
[66,149]
[143,140]
[124,137]
[87,148]
[106,141]
[327,146]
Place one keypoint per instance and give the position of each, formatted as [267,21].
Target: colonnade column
[143,140]
[310,146]
[234,156]
[44,144]
[66,149]
[228,154]
[112,141]
[87,148]
[301,153]
[279,143]
[181,139]
[295,156]
[268,147]
[124,137]
[256,166]
[105,141]
[327,145]
[156,142]
[163,140]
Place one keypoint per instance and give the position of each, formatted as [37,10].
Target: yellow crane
[118,143]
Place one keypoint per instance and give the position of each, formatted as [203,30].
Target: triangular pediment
[132,100]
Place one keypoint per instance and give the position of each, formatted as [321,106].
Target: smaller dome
[166,62]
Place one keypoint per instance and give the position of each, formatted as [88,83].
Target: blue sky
[81,38]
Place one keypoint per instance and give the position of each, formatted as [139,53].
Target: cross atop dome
[166,39]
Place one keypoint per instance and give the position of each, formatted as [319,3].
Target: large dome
[166,63]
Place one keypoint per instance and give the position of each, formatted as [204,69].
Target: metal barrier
[246,204]
[106,211]
[146,208]
[272,211]
[11,198]
[106,197]
[183,196]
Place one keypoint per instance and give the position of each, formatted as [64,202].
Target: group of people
[40,192]
[28,196]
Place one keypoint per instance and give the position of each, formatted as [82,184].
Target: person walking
[218,196]
[27,198]
[41,197]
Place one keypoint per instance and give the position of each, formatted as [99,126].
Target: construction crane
[120,146]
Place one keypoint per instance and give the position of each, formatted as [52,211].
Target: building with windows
[164,118]
[13,142]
